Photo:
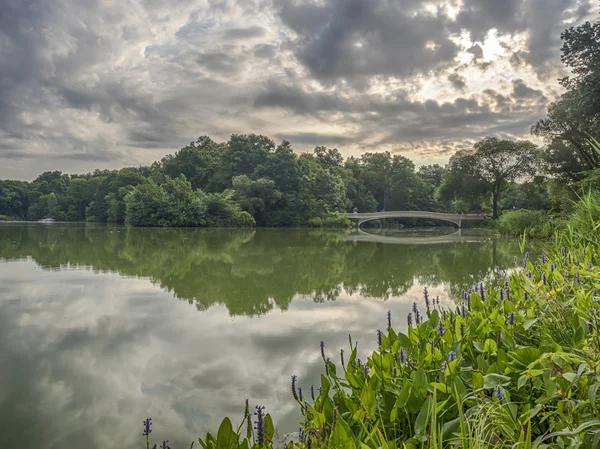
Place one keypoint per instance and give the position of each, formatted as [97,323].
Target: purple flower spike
[165,445]
[147,427]
[463,311]
[260,425]
[402,357]
[379,337]
[562,251]
[342,356]
[394,372]
[389,318]
[443,368]
[366,371]
[511,318]
[415,310]
[301,434]
[500,393]
[501,294]
[322,344]
[294,393]
[451,356]
[441,329]
[409,319]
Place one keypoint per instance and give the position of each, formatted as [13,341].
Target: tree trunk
[495,195]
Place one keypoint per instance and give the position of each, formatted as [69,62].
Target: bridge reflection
[455,237]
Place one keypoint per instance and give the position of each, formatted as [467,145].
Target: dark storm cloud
[355,38]
[245,33]
[316,138]
[476,51]
[522,90]
[459,82]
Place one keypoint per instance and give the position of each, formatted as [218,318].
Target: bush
[175,203]
[338,221]
[314,222]
[516,222]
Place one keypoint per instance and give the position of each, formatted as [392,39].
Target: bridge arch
[457,219]
[366,220]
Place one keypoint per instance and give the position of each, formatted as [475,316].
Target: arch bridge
[457,219]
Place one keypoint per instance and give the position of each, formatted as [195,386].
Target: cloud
[357,38]
[97,84]
[459,82]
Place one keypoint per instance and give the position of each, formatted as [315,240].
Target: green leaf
[270,428]
[441,387]
[477,379]
[493,380]
[226,437]
[368,399]
[570,376]
[490,346]
[423,417]
[420,382]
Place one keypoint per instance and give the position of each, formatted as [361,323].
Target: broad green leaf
[477,380]
[423,417]
[270,428]
[420,382]
[368,399]
[494,380]
[226,437]
[490,346]
[441,387]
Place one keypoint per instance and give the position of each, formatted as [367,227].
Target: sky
[88,84]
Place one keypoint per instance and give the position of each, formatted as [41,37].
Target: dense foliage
[250,181]
[245,181]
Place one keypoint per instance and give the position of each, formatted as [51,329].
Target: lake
[102,327]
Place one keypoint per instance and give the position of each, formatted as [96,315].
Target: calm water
[101,327]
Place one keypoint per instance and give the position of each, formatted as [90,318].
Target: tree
[462,188]
[431,174]
[328,157]
[471,175]
[575,117]
[14,199]
[257,198]
[499,162]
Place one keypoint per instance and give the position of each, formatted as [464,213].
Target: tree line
[250,180]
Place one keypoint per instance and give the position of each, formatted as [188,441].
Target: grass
[515,364]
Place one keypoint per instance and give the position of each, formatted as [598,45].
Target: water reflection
[251,272]
[89,347]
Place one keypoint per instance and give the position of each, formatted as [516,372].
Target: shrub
[314,222]
[338,221]
[516,222]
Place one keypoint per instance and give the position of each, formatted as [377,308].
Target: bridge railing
[416,214]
